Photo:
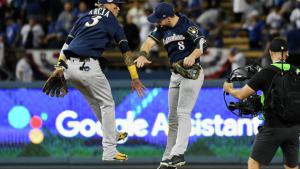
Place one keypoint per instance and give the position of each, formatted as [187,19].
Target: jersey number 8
[181,45]
[95,21]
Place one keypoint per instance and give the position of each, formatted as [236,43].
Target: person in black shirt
[275,132]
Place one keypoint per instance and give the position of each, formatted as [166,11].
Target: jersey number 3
[95,21]
[181,45]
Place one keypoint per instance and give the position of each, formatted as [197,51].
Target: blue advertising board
[26,114]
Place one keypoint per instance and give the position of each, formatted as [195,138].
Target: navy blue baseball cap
[161,11]
[110,1]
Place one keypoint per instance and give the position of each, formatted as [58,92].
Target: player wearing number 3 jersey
[78,64]
[184,44]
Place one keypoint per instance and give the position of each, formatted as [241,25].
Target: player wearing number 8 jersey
[78,63]
[184,44]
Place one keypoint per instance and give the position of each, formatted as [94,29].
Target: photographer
[276,131]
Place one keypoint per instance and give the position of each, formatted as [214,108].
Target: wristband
[133,72]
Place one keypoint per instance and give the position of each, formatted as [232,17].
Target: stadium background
[42,132]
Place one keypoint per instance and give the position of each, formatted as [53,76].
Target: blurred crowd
[45,24]
[266,19]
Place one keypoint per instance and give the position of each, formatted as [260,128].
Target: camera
[243,73]
[251,106]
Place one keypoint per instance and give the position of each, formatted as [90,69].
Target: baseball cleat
[177,161]
[165,162]
[122,136]
[120,157]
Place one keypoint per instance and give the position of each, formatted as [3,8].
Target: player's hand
[227,86]
[58,72]
[188,61]
[141,61]
[138,86]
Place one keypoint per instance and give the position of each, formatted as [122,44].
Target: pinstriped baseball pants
[94,86]
[182,97]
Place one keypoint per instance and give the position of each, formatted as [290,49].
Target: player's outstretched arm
[143,55]
[136,84]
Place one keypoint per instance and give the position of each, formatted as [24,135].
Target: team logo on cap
[110,0]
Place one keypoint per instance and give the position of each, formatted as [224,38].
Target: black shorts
[268,140]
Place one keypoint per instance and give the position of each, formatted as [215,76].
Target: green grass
[142,151]
[56,146]
[10,151]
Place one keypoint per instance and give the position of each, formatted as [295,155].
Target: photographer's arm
[241,94]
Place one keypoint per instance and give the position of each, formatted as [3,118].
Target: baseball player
[184,44]
[78,63]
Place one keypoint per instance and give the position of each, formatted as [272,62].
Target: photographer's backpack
[283,97]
